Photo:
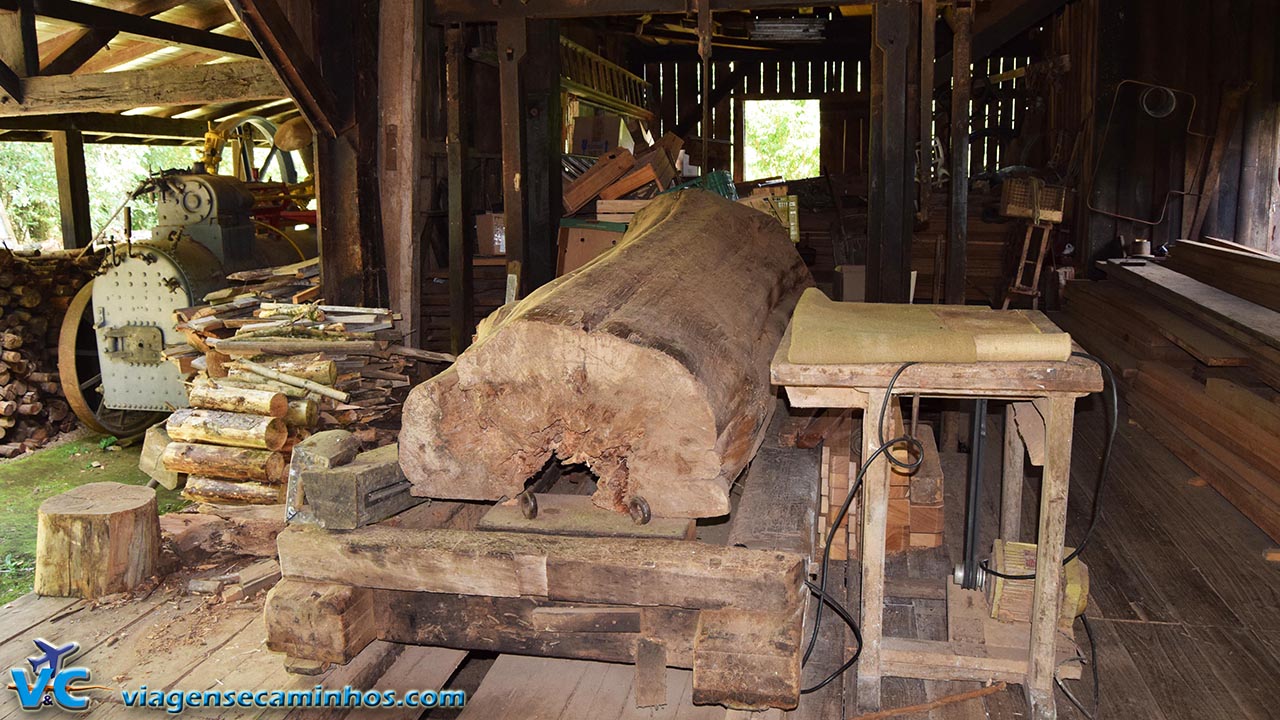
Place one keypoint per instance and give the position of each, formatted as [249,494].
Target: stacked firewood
[267,371]
[35,291]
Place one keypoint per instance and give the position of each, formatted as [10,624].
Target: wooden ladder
[1031,286]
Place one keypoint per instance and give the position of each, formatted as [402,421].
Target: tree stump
[97,539]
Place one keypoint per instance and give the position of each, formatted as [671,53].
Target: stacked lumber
[1199,370]
[267,373]
[915,515]
[839,466]
[488,290]
[35,291]
[1236,269]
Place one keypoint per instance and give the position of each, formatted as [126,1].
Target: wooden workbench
[1052,387]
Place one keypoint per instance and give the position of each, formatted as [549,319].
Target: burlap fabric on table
[834,333]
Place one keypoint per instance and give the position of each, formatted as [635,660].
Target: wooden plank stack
[1237,269]
[35,291]
[1199,369]
[488,289]
[915,498]
[267,371]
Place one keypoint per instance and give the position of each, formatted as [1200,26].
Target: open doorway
[782,139]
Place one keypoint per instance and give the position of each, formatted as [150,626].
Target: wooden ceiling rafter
[215,19]
[297,70]
[67,52]
[158,31]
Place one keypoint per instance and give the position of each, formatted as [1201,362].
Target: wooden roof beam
[93,16]
[996,26]
[297,69]
[141,126]
[449,11]
[127,52]
[69,51]
[114,92]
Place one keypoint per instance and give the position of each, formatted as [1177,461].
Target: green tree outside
[29,185]
[782,139]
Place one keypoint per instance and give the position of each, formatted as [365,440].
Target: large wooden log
[649,364]
[228,463]
[227,428]
[239,400]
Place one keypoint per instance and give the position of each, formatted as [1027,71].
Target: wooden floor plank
[1244,667]
[91,627]
[24,613]
[1181,679]
[1213,536]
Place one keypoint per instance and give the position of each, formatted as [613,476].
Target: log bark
[96,539]
[239,400]
[226,428]
[207,489]
[231,463]
[649,364]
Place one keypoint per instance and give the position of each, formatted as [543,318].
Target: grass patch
[26,482]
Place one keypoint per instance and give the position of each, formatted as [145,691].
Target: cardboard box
[491,234]
[598,134]
[581,241]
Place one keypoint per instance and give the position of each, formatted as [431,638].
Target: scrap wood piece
[315,387]
[607,170]
[642,364]
[934,704]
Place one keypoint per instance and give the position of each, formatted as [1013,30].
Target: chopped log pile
[267,370]
[35,291]
[650,365]
[1199,367]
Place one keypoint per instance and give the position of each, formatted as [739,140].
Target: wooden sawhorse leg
[1059,414]
[875,511]
[1012,479]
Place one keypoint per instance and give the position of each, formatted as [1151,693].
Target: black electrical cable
[1093,662]
[1109,395]
[845,615]
[821,588]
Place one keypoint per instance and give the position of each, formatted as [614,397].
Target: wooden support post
[73,188]
[958,222]
[1058,412]
[739,137]
[1012,479]
[400,66]
[351,263]
[888,255]
[461,310]
[875,508]
[544,144]
[512,43]
[928,26]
